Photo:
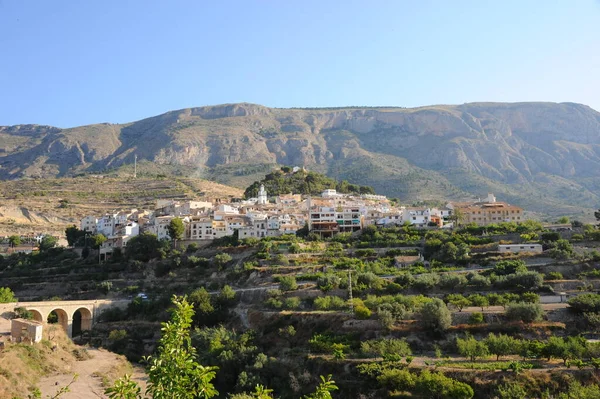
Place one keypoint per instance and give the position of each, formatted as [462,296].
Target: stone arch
[37,315]
[63,319]
[82,320]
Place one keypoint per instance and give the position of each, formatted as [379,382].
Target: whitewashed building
[519,248]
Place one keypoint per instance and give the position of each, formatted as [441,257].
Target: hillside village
[364,279]
[327,215]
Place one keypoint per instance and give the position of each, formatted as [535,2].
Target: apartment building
[487,211]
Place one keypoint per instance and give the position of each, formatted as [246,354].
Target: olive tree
[435,316]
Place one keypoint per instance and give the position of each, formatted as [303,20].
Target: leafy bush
[363,253]
[396,379]
[288,283]
[324,343]
[385,346]
[525,312]
[434,316]
[329,303]
[426,281]
[328,282]
[585,303]
[192,248]
[471,348]
[221,260]
[143,247]
[506,267]
[526,281]
[291,303]
[476,318]
[502,345]
[437,385]
[274,303]
[362,312]
[479,281]
[452,281]
[6,295]
[553,276]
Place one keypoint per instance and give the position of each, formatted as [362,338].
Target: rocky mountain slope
[544,156]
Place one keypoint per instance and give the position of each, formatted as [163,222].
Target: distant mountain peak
[536,153]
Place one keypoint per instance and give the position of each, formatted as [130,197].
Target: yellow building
[487,212]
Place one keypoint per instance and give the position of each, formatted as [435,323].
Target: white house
[160,227]
[518,248]
[106,225]
[89,224]
[330,193]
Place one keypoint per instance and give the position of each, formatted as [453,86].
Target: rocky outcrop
[490,143]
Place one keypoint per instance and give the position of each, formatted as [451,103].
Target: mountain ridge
[521,150]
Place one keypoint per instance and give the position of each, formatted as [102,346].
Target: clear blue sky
[68,63]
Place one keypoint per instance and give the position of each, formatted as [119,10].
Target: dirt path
[89,381]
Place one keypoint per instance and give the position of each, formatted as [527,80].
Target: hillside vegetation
[285,181]
[465,321]
[542,156]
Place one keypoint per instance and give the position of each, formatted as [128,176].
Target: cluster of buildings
[327,215]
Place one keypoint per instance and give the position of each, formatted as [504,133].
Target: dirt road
[89,381]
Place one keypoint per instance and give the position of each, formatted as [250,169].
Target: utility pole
[135,166]
[350,291]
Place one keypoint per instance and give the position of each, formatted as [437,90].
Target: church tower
[262,195]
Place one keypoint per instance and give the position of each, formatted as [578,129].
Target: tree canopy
[6,295]
[14,240]
[47,243]
[175,370]
[176,229]
[143,247]
[284,182]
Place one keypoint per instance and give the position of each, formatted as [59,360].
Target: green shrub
[362,312]
[525,312]
[437,385]
[288,283]
[585,303]
[291,303]
[328,282]
[192,248]
[553,276]
[526,281]
[434,316]
[363,253]
[452,281]
[476,318]
[471,348]
[116,335]
[396,380]
[426,281]
[506,267]
[329,303]
[274,303]
[385,346]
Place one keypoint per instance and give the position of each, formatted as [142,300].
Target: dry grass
[50,205]
[22,365]
[117,370]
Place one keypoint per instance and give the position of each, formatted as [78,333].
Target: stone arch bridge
[73,316]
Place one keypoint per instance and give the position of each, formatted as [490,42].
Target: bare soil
[92,374]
